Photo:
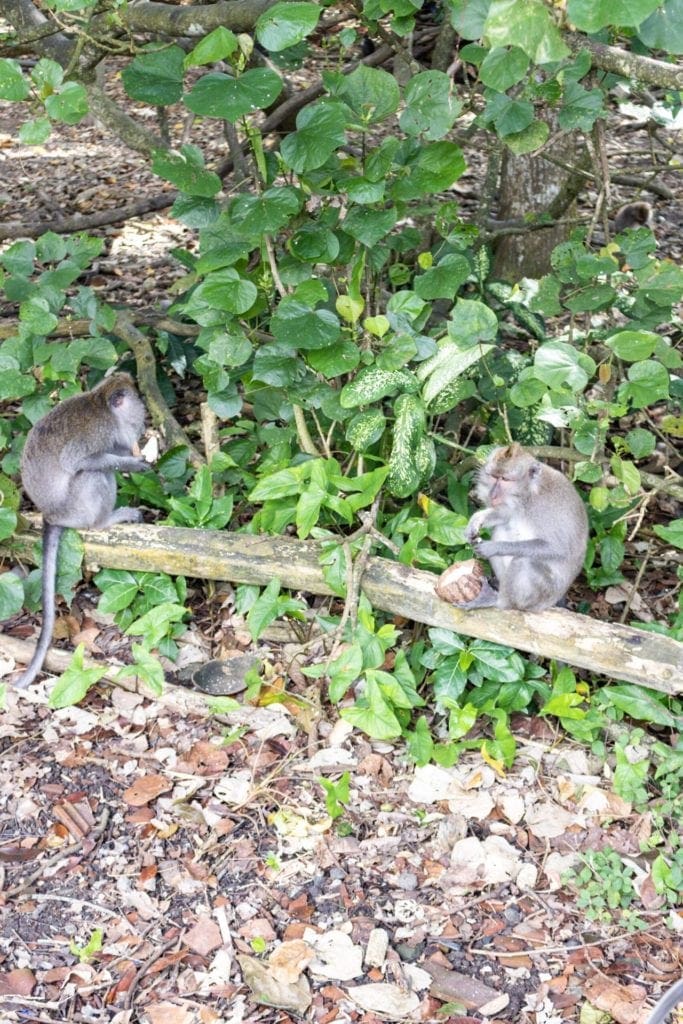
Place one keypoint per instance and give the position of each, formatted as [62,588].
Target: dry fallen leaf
[170,1013]
[476,863]
[266,989]
[337,957]
[146,789]
[19,982]
[625,1003]
[204,936]
[389,1000]
[289,960]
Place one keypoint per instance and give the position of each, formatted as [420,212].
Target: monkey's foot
[486,598]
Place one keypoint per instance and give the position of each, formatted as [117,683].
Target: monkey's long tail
[669,1000]
[51,536]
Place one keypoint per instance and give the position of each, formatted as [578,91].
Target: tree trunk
[531,184]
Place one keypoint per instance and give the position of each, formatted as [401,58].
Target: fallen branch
[608,648]
[146,368]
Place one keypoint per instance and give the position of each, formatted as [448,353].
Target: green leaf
[611,553]
[308,508]
[36,316]
[335,360]
[472,321]
[147,667]
[375,717]
[648,382]
[302,327]
[565,705]
[369,226]
[320,131]
[461,720]
[529,140]
[286,24]
[47,75]
[119,590]
[528,25]
[632,346]
[155,77]
[216,46]
[637,702]
[430,107]
[468,17]
[398,352]
[663,30]
[581,107]
[640,442]
[371,93]
[365,429]
[514,117]
[157,623]
[372,384]
[314,243]
[8,518]
[432,167]
[73,685]
[626,473]
[227,291]
[443,280]
[69,105]
[344,671]
[592,15]
[440,371]
[13,85]
[185,170]
[559,366]
[419,742]
[503,67]
[405,473]
[265,609]
[220,95]
[267,213]
[11,595]
[672,534]
[278,485]
[36,132]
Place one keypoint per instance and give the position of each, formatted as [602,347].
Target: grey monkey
[539,531]
[68,471]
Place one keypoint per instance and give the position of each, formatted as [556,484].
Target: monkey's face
[508,477]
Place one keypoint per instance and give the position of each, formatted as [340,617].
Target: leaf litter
[154,870]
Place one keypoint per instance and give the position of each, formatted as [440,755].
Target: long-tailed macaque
[633,215]
[539,531]
[68,471]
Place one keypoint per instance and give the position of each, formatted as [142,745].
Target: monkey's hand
[475,525]
[133,464]
[485,548]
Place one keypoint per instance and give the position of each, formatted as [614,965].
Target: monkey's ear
[534,469]
[117,398]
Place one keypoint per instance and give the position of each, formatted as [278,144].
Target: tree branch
[196,20]
[627,64]
[147,381]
